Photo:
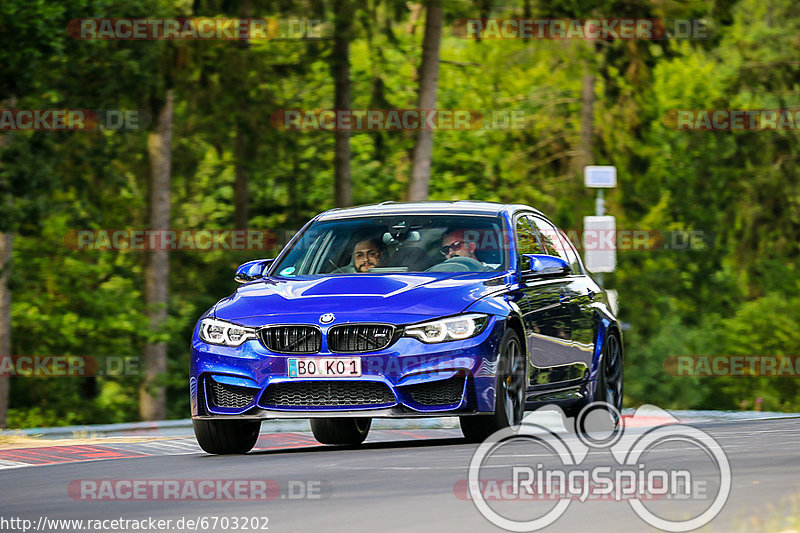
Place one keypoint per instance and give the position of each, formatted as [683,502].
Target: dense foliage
[739,295]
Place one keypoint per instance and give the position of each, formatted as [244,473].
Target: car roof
[459,207]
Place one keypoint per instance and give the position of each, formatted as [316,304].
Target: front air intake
[328,394]
[229,396]
[441,392]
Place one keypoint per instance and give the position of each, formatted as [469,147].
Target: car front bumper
[407,379]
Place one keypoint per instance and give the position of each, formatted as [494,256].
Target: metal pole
[600,210]
[600,204]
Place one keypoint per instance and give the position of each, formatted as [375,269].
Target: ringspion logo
[546,473]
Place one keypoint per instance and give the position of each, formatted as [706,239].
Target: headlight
[215,331]
[454,328]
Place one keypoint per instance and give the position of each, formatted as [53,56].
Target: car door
[584,293]
[547,321]
[576,298]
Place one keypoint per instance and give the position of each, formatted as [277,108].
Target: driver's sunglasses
[456,246]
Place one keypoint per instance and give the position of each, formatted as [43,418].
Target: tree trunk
[583,155]
[6,242]
[428,82]
[340,68]
[152,396]
[244,135]
[241,180]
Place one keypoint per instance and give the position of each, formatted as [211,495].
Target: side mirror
[542,266]
[252,270]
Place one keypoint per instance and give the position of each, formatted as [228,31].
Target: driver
[454,244]
[459,253]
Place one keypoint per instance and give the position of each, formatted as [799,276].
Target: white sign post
[599,231]
[600,243]
[596,177]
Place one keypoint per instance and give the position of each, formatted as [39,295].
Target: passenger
[367,254]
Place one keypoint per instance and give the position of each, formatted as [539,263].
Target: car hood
[395,298]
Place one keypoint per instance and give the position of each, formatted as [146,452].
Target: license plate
[329,367]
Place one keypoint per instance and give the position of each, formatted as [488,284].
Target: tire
[222,437]
[347,431]
[512,372]
[608,391]
[609,380]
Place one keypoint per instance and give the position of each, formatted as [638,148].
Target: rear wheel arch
[611,371]
[612,328]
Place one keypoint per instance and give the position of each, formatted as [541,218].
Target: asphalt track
[398,480]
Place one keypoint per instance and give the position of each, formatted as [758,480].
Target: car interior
[408,244]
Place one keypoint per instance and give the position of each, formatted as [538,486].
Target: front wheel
[222,437]
[509,393]
[340,430]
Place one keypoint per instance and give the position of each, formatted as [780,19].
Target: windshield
[398,243]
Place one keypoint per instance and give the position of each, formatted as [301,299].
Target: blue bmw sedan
[470,309]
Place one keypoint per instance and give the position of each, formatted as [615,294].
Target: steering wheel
[458,264]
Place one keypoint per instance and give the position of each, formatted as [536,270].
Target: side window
[527,242]
[550,238]
[572,254]
[558,244]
